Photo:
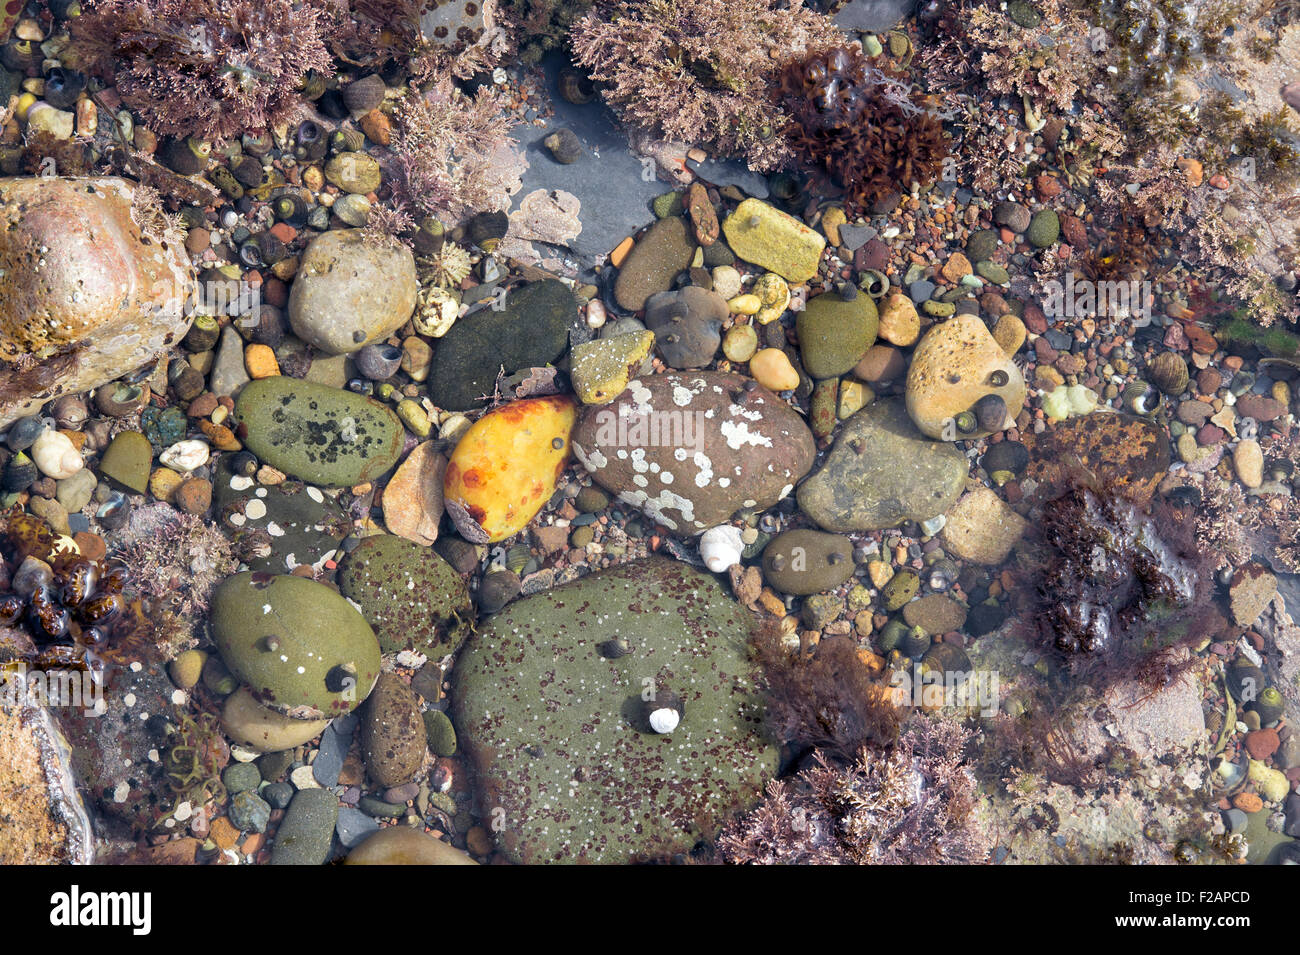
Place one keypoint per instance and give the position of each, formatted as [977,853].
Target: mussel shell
[63,87]
[49,619]
[77,581]
[101,608]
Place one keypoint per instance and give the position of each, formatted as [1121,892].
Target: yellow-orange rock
[507,465]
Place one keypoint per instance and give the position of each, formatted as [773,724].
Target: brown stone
[80,281]
[703,217]
[1260,407]
[413,498]
[194,496]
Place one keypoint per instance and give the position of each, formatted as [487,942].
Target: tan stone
[84,294]
[1009,333]
[413,498]
[899,323]
[1248,459]
[951,369]
[982,528]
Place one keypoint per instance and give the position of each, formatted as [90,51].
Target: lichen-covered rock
[601,369]
[393,742]
[555,728]
[349,292]
[956,364]
[85,293]
[324,435]
[412,598]
[531,330]
[507,464]
[774,240]
[835,333]
[299,647]
[687,324]
[881,472]
[689,449]
[656,258]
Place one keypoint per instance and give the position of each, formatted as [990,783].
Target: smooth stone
[771,239]
[556,731]
[803,561]
[982,528]
[301,648]
[323,435]
[86,294]
[411,597]
[401,845]
[334,744]
[307,830]
[531,331]
[687,324]
[950,372]
[834,334]
[935,614]
[441,733]
[882,471]
[128,460]
[349,292]
[393,740]
[1044,228]
[228,373]
[663,445]
[601,369]
[413,496]
[654,262]
[253,725]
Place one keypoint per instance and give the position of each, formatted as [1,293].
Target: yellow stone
[163,483]
[771,368]
[746,304]
[899,323]
[771,239]
[601,369]
[507,464]
[1009,333]
[832,219]
[854,396]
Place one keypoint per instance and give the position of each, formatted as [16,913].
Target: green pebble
[582,536]
[591,500]
[274,765]
[1044,228]
[991,272]
[669,204]
[938,309]
[441,734]
[241,777]
[373,806]
[901,588]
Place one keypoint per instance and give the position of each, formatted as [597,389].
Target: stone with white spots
[690,449]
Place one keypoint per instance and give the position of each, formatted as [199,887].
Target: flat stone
[654,262]
[413,497]
[307,830]
[982,528]
[881,472]
[767,237]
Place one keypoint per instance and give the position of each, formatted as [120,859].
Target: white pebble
[56,456]
[303,779]
[186,456]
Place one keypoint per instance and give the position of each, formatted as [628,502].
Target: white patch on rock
[737,434]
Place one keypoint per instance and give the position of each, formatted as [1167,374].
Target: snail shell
[564,146]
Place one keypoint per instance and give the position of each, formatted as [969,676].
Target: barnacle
[446,268]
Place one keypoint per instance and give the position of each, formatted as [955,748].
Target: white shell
[185,456]
[595,313]
[720,547]
[665,720]
[56,456]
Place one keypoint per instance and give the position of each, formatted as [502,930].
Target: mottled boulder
[956,365]
[349,292]
[881,472]
[1119,450]
[690,449]
[555,727]
[87,297]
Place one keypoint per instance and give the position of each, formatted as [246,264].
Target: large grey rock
[349,293]
[881,472]
[872,16]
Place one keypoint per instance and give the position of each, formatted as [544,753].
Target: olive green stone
[981,245]
[299,646]
[556,729]
[307,831]
[323,435]
[935,613]
[127,461]
[668,204]
[901,588]
[805,561]
[1044,228]
[601,369]
[393,740]
[666,249]
[412,598]
[442,735]
[834,334]
[993,273]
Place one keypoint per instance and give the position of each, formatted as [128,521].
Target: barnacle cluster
[862,122]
